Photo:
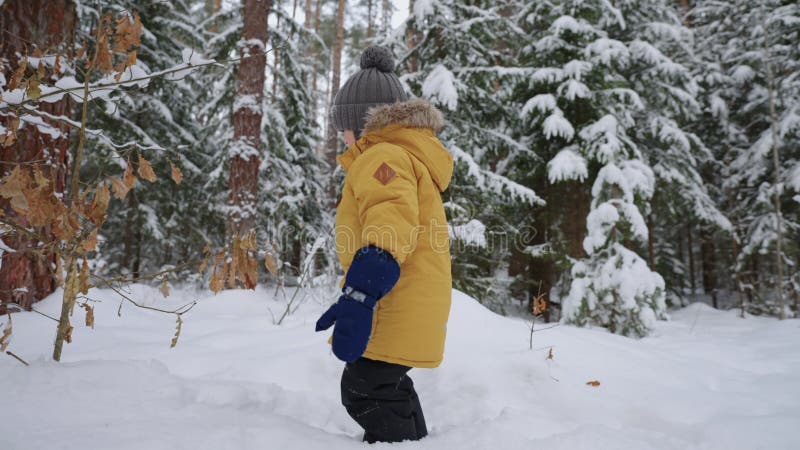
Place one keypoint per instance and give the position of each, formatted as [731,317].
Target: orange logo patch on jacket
[384,173]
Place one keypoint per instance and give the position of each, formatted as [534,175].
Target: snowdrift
[706,379]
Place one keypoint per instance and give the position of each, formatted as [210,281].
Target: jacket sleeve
[385,188]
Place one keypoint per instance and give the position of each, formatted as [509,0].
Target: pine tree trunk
[331,141]
[370,21]
[28,276]
[413,37]
[690,251]
[773,118]
[651,248]
[245,151]
[317,10]
[709,262]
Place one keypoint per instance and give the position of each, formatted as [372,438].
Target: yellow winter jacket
[391,199]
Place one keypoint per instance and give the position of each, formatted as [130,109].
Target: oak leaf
[177,176]
[215,284]
[90,244]
[129,178]
[83,278]
[119,188]
[146,170]
[89,315]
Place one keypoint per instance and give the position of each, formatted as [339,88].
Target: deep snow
[704,380]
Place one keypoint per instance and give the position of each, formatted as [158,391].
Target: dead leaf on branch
[129,178]
[215,284]
[119,188]
[128,32]
[16,78]
[593,383]
[269,262]
[177,332]
[97,209]
[83,278]
[89,315]
[13,186]
[146,170]
[164,287]
[177,176]
[90,244]
[68,334]
[5,338]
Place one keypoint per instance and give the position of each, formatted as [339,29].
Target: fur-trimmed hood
[414,113]
[412,125]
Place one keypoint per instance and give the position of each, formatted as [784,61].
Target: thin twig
[106,86]
[179,310]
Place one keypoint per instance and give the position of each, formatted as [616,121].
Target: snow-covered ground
[704,380]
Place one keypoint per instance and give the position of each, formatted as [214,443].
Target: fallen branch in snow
[11,354]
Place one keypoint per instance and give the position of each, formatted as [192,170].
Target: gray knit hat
[375,84]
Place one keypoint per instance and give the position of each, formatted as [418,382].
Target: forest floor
[706,379]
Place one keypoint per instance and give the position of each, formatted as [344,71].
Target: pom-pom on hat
[375,84]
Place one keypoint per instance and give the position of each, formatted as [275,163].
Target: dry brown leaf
[5,338]
[99,205]
[119,188]
[215,284]
[13,187]
[83,278]
[550,353]
[593,383]
[68,334]
[164,287]
[90,244]
[40,69]
[103,60]
[57,64]
[89,315]
[177,176]
[128,32]
[129,178]
[269,261]
[146,170]
[16,77]
[177,332]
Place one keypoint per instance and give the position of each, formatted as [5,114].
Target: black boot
[381,398]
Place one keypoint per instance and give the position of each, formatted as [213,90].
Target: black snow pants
[381,398]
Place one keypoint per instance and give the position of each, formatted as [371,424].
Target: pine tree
[754,92]
[454,53]
[608,103]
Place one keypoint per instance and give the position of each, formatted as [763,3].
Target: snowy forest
[622,165]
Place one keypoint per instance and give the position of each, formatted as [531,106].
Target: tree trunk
[244,154]
[316,31]
[651,248]
[370,26]
[773,118]
[49,25]
[709,262]
[690,251]
[331,141]
[413,38]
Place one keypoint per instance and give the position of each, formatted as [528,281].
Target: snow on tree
[754,93]
[455,54]
[610,89]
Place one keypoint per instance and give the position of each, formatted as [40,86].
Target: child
[393,243]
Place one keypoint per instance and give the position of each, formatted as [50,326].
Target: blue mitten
[372,275]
